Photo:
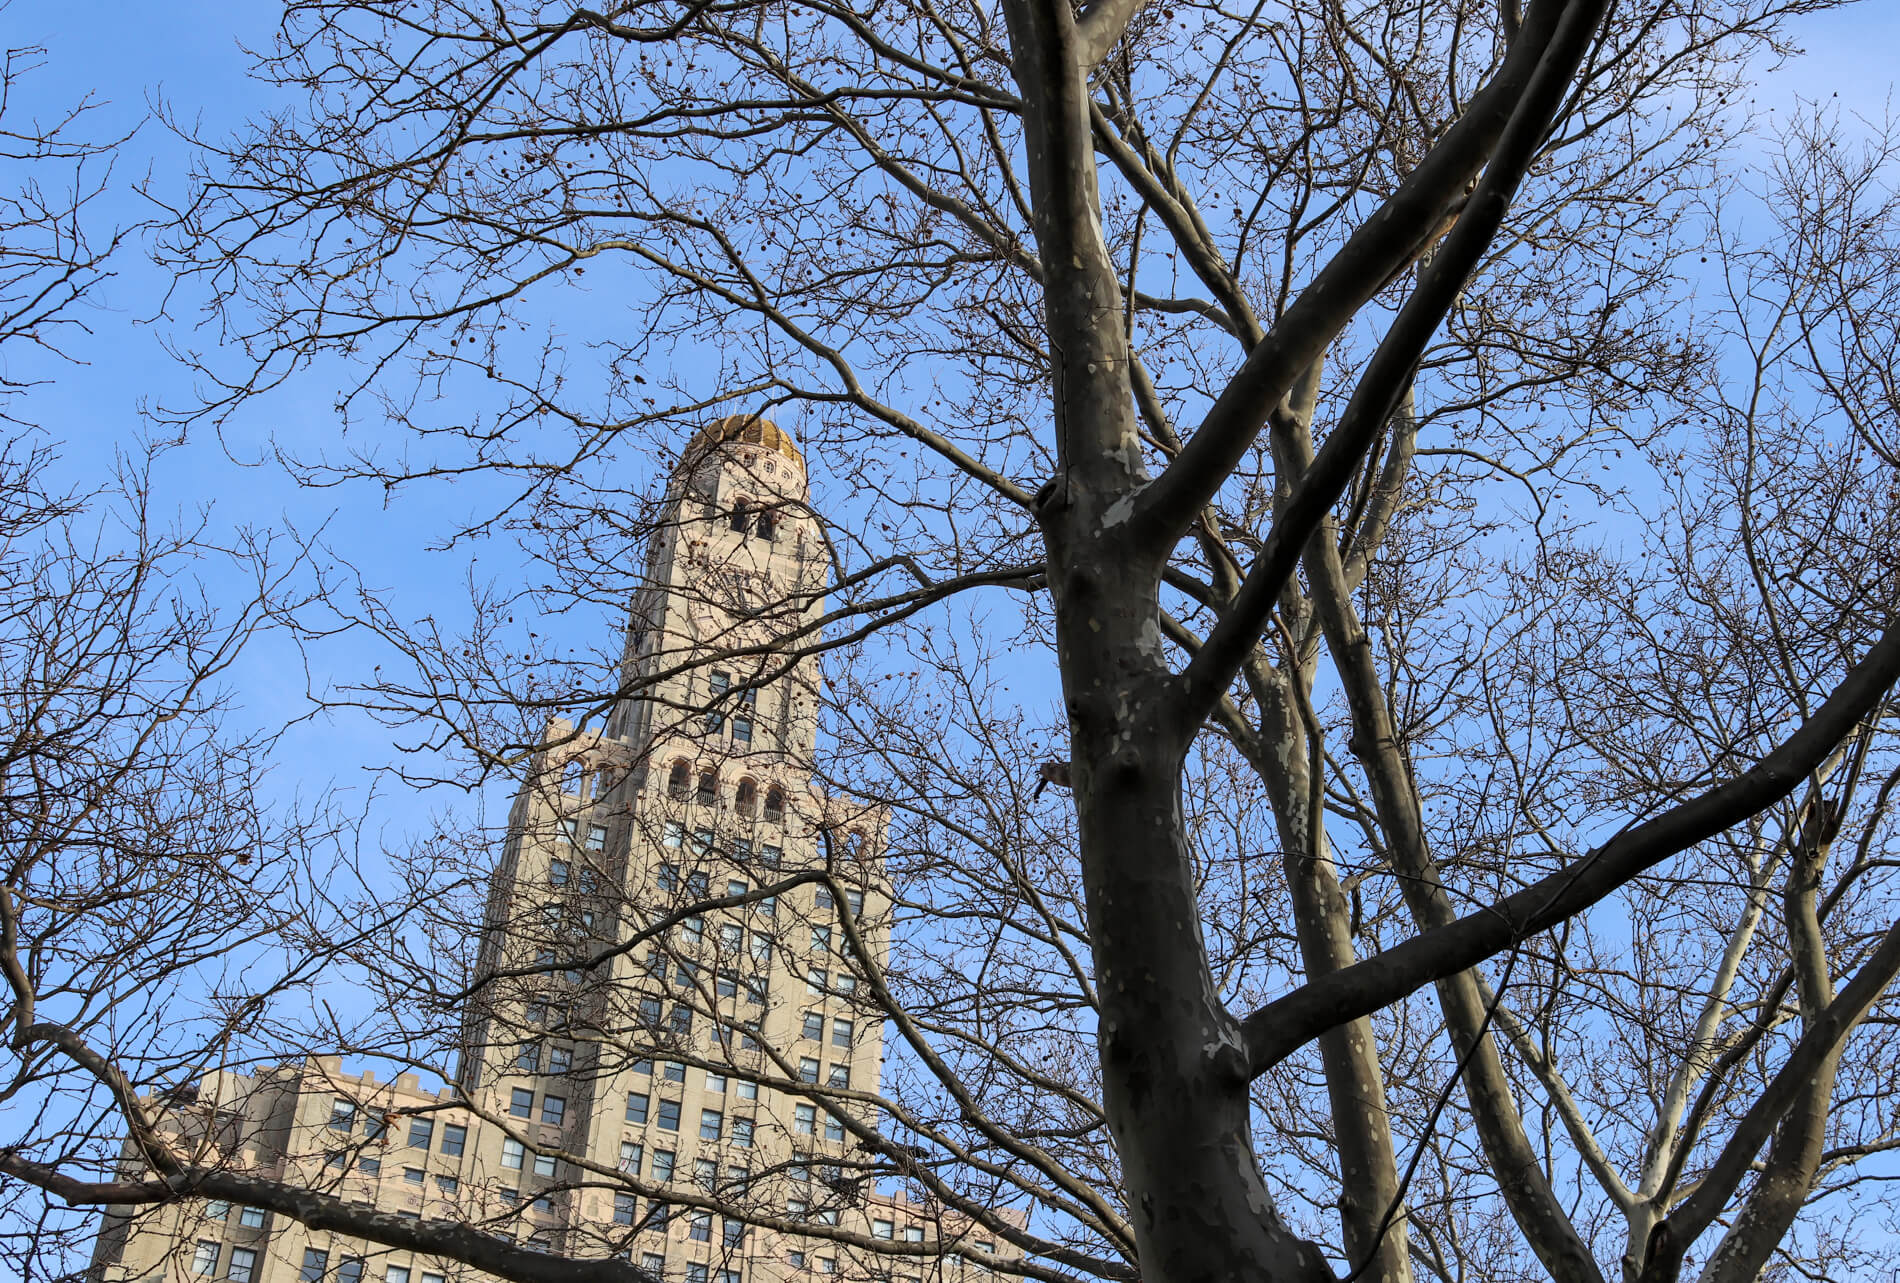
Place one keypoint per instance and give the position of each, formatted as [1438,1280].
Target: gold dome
[747,429]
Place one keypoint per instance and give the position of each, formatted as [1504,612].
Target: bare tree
[1439,883]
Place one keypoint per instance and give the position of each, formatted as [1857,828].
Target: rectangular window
[731,937]
[558,872]
[396,1274]
[685,975]
[732,1233]
[342,1115]
[454,1138]
[705,1173]
[761,948]
[413,1175]
[742,1132]
[553,1109]
[513,1152]
[636,1107]
[521,1103]
[804,1118]
[748,1090]
[560,1059]
[817,980]
[693,930]
[446,1184]
[528,1059]
[632,1153]
[700,1227]
[730,1276]
[796,1209]
[315,1263]
[669,1116]
[856,900]
[590,880]
[682,1019]
[243,1267]
[736,887]
[699,885]
[662,1164]
[913,1233]
[883,1229]
[369,1166]
[673,1071]
[841,1031]
[350,1270]
[695,1272]
[653,1263]
[726,984]
[251,1217]
[834,1127]
[545,1164]
[675,837]
[715,1083]
[815,1026]
[650,1011]
[808,1069]
[770,856]
[840,1076]
[624,1208]
[428,1277]
[741,730]
[667,876]
[712,1124]
[597,837]
[204,1257]
[766,907]
[217,1209]
[821,899]
[821,939]
[846,983]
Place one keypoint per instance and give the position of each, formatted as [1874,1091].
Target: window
[736,887]
[748,1090]
[643,1067]
[732,1233]
[512,1154]
[521,1103]
[821,898]
[742,1132]
[771,856]
[913,1233]
[712,1124]
[669,1116]
[560,1059]
[708,792]
[815,1026]
[558,871]
[673,1071]
[428,1277]
[342,1115]
[675,837]
[775,803]
[693,930]
[834,1127]
[821,939]
[553,1109]
[315,1262]
[742,734]
[695,1272]
[808,1069]
[535,1013]
[339,1159]
[731,937]
[528,1059]
[217,1209]
[796,1260]
[243,1267]
[662,1164]
[804,1116]
[350,1270]
[204,1257]
[796,1209]
[883,1229]
[846,983]
[677,777]
[590,880]
[682,1019]
[653,1263]
[684,975]
[636,1107]
[746,800]
[716,687]
[624,1208]
[454,1138]
[800,1167]
[705,1173]
[766,907]
[446,1184]
[856,900]
[765,524]
[817,980]
[369,1166]
[840,1076]
[841,1031]
[697,884]
[740,518]
[755,990]
[596,841]
[649,1011]
[715,1083]
[700,1227]
[827,1265]
[413,1175]
[396,1274]
[545,1164]
[251,1217]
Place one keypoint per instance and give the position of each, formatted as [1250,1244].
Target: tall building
[668,1049]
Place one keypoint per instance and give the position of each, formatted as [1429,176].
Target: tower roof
[747,429]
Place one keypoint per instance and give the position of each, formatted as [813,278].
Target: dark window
[521,1103]
[677,780]
[717,686]
[765,523]
[708,794]
[740,517]
[636,1107]
[746,800]
[553,1109]
[419,1133]
[454,1138]
[315,1262]
[623,1209]
[775,803]
[669,1115]
[350,1270]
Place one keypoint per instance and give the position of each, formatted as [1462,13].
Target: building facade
[670,1050]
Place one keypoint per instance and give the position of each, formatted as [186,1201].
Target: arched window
[678,780]
[775,803]
[573,777]
[741,518]
[766,524]
[746,800]
[708,789]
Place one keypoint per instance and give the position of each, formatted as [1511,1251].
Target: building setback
[669,1051]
